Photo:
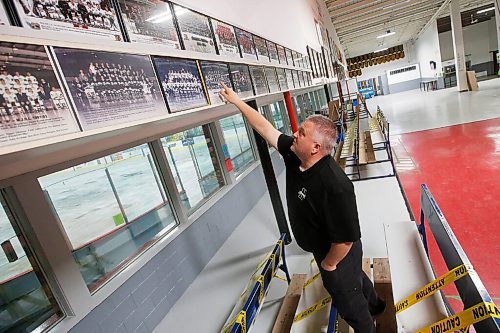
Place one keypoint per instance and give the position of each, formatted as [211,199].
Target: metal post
[116,194]
[158,183]
[290,110]
[272,184]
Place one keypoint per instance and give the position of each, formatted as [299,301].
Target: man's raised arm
[256,120]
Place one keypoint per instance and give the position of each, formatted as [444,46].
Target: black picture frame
[273,52]
[54,19]
[259,80]
[181,83]
[246,44]
[213,74]
[225,37]
[281,54]
[280,72]
[261,48]
[289,79]
[241,79]
[109,88]
[272,79]
[195,29]
[289,57]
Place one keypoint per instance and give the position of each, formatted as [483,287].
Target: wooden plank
[370,153]
[362,151]
[284,320]
[343,163]
[386,322]
[367,267]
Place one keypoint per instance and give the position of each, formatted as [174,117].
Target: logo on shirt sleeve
[302,194]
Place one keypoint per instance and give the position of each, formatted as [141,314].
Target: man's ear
[316,148]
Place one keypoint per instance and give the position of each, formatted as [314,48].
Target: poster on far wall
[273,52]
[149,21]
[281,54]
[259,80]
[289,78]
[272,79]
[86,18]
[261,47]
[245,41]
[32,104]
[110,88]
[242,82]
[226,39]
[181,83]
[282,78]
[213,74]
[195,30]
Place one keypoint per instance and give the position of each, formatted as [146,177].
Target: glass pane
[237,141]
[277,117]
[25,300]
[194,163]
[288,127]
[110,208]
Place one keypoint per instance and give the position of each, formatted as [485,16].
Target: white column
[458,45]
[497,15]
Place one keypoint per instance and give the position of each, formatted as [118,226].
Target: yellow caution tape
[463,319]
[433,287]
[311,280]
[242,320]
[313,309]
[281,278]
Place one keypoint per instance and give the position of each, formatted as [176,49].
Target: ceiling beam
[354,7]
[420,12]
[433,18]
[375,7]
[363,33]
[343,21]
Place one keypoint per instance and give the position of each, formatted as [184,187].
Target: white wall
[287,22]
[427,49]
[479,40]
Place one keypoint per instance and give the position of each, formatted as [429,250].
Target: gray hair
[325,132]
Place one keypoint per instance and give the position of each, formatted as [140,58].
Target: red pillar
[290,110]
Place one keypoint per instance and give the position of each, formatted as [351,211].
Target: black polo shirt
[321,202]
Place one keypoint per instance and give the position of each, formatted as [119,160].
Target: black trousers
[352,291]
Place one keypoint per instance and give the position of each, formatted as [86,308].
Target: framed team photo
[273,52]
[226,39]
[261,47]
[242,83]
[289,57]
[89,18]
[181,83]
[282,78]
[259,80]
[195,30]
[297,59]
[32,103]
[309,78]
[247,47]
[272,79]
[149,21]
[213,74]
[295,77]
[289,79]
[302,82]
[110,88]
[281,54]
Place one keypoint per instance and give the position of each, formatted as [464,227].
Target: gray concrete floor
[209,300]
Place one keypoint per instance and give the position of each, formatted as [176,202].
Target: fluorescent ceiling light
[389,33]
[485,10]
[380,50]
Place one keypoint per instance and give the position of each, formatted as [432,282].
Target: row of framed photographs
[147,21]
[51,91]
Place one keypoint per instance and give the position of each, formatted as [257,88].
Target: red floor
[460,164]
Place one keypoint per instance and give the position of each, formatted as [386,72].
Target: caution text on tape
[313,309]
[433,287]
[463,319]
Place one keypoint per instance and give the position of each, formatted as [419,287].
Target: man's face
[304,145]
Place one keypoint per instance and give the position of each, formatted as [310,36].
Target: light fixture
[485,10]
[381,50]
[387,34]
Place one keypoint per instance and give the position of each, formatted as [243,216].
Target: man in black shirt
[322,211]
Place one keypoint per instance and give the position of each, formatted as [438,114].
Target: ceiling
[359,22]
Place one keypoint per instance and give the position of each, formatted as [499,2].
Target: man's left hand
[327,267]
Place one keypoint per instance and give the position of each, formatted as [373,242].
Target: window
[111,209]
[238,143]
[194,163]
[25,300]
[280,117]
